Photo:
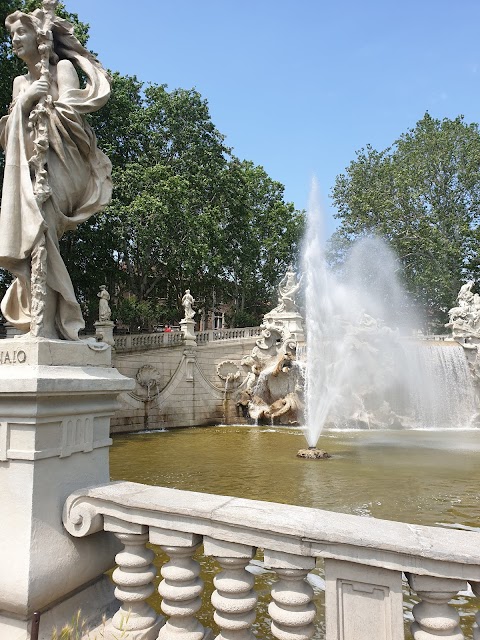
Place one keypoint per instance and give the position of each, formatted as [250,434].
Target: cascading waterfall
[441,390]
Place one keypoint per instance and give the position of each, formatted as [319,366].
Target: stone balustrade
[204,337]
[365,562]
[144,341]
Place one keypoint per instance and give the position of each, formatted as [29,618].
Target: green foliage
[243,319]
[136,315]
[261,236]
[75,630]
[423,196]
[184,213]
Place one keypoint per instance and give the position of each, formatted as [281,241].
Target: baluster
[135,620]
[434,617]
[292,610]
[234,598]
[181,587]
[476,627]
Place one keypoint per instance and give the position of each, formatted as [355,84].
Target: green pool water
[423,477]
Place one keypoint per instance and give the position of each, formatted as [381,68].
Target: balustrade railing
[138,342]
[143,341]
[365,560]
[203,337]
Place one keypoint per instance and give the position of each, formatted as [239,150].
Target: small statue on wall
[188,302]
[104,311]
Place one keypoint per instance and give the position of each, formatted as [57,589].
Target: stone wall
[178,386]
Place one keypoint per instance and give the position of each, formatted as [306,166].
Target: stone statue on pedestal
[273,388]
[287,292]
[464,319]
[104,311]
[55,176]
[188,302]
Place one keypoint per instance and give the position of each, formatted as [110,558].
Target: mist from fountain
[363,367]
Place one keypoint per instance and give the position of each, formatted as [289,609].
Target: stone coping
[40,379]
[25,350]
[293,529]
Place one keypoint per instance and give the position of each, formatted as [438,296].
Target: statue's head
[25,33]
[64,40]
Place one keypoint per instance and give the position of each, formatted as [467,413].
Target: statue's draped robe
[79,177]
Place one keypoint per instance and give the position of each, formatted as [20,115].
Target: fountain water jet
[364,369]
[324,356]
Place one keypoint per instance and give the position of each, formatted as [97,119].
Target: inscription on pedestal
[13,357]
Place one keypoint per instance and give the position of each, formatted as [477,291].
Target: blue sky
[299,86]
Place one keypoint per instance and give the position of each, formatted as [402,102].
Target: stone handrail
[203,337]
[435,337]
[364,560]
[143,341]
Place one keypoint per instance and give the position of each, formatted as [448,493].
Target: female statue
[104,311]
[41,199]
[188,302]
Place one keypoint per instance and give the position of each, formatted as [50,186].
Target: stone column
[234,598]
[56,400]
[181,588]
[292,609]
[434,616]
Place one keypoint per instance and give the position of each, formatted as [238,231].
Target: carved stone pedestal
[188,329]
[56,400]
[104,331]
[289,322]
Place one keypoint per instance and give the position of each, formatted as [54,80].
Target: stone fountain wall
[179,386]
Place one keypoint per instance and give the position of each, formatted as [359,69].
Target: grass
[76,629]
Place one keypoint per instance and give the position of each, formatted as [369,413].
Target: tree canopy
[185,212]
[422,195]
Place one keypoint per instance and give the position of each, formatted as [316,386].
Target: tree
[422,195]
[261,236]
[90,252]
[185,212]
